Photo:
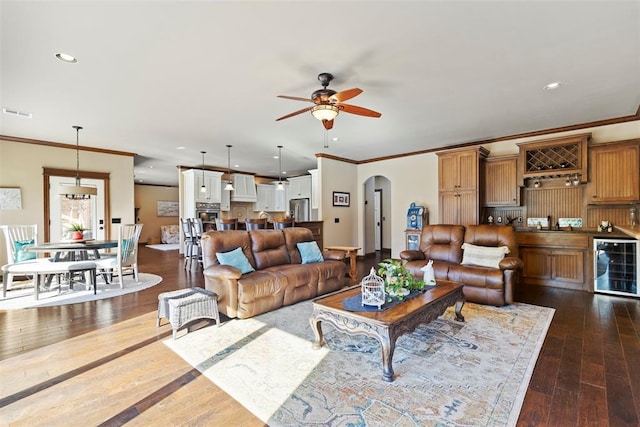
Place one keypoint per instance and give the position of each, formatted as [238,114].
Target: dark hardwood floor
[104,363]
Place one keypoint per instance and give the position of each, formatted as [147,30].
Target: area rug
[23,297]
[447,373]
[165,246]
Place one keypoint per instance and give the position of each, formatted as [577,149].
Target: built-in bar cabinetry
[555,157]
[614,171]
[460,184]
[501,182]
[557,259]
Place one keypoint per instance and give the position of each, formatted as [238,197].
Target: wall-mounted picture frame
[10,199]
[340,198]
[168,209]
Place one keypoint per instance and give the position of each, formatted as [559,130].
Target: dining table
[72,250]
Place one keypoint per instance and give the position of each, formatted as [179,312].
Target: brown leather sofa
[484,285]
[279,278]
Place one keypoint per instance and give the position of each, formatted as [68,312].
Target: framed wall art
[340,198]
[10,199]
[168,209]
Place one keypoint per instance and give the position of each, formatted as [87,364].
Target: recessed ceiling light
[236,166]
[335,138]
[66,58]
[179,148]
[275,157]
[14,112]
[151,167]
[552,86]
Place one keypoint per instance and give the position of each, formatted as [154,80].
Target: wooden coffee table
[386,326]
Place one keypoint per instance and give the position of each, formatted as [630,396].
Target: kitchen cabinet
[556,259]
[269,199]
[300,187]
[501,182]
[614,171]
[244,188]
[314,189]
[460,184]
[193,181]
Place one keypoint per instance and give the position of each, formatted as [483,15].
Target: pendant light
[77,192]
[203,188]
[229,186]
[280,185]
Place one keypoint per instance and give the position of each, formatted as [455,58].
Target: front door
[89,212]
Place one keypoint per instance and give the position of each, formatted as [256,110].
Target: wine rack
[555,157]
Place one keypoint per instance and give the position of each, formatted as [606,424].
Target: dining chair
[226,224]
[126,260]
[256,223]
[16,237]
[280,223]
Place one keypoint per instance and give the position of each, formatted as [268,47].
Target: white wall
[339,176]
[21,166]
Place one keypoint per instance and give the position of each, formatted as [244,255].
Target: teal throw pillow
[235,258]
[20,253]
[310,252]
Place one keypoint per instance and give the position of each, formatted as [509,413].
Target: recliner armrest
[222,272]
[510,263]
[333,255]
[412,255]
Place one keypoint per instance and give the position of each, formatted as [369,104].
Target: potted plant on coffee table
[399,282]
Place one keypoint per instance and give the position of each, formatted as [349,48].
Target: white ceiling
[155,75]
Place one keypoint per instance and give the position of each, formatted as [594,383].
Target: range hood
[244,188]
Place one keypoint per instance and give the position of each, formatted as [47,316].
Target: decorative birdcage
[372,289]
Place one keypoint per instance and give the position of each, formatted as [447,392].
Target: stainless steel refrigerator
[299,209]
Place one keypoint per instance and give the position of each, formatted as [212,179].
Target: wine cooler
[616,266]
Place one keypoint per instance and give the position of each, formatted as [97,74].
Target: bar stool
[189,241]
[279,224]
[226,224]
[256,223]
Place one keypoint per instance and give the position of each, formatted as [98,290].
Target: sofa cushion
[310,252]
[268,247]
[485,256]
[293,236]
[443,242]
[235,258]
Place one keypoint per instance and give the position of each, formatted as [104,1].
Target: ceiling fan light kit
[324,111]
[77,192]
[328,103]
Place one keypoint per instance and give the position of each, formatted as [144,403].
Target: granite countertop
[618,232]
[629,230]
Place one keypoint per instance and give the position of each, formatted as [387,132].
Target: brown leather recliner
[279,278]
[442,243]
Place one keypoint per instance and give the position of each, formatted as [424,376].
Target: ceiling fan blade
[358,110]
[304,110]
[328,124]
[346,94]
[295,98]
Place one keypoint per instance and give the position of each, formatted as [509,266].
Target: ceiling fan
[328,103]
